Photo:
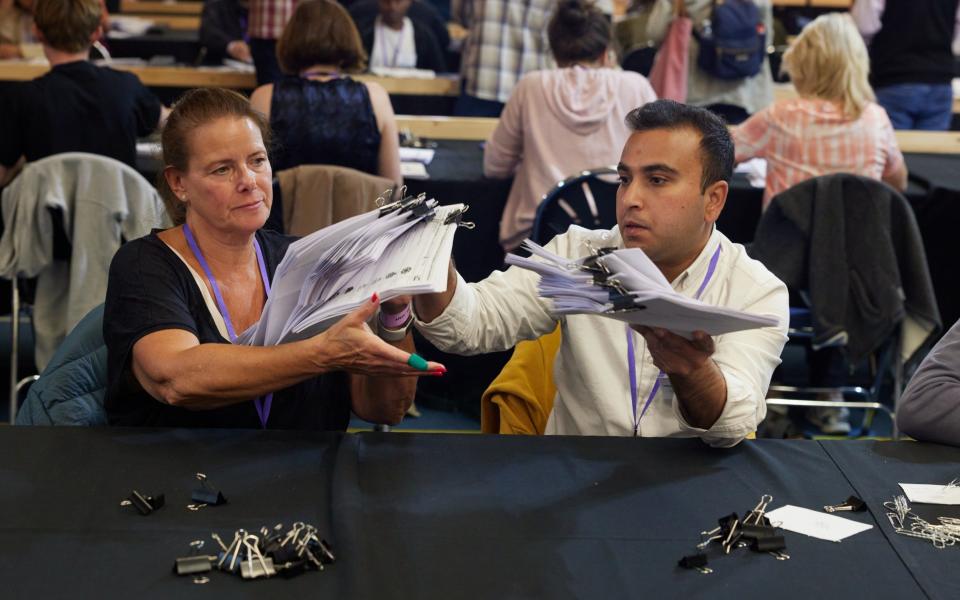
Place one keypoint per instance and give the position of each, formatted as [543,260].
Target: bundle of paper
[392,251]
[625,285]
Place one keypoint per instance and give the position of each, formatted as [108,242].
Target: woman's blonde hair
[829,60]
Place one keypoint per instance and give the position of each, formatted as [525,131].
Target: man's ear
[716,198]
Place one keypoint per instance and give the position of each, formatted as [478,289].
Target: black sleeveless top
[324,122]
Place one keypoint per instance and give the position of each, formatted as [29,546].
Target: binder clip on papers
[401,248]
[624,284]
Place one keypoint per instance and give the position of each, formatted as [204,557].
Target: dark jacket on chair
[853,245]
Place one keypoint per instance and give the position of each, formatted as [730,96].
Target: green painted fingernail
[417,362]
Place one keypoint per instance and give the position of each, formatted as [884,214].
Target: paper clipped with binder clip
[401,248]
[624,284]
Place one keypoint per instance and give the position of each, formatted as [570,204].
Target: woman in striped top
[834,126]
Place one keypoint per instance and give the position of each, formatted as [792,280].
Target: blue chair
[71,390]
[588,199]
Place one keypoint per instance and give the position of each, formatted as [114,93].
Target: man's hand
[697,381]
[676,355]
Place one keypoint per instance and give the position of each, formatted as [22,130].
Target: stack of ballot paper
[400,249]
[625,285]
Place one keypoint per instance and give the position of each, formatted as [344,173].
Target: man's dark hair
[716,145]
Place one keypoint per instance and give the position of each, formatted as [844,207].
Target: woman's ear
[174,180]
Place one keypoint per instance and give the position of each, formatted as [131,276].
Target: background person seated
[76,106]
[170,357]
[561,121]
[402,34]
[835,126]
[318,113]
[929,409]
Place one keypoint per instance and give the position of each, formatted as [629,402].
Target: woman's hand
[351,346]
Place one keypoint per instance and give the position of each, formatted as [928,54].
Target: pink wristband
[395,321]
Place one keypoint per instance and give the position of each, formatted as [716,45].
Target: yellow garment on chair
[520,399]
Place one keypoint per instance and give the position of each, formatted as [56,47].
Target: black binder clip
[624,302]
[695,561]
[456,217]
[422,208]
[195,563]
[205,495]
[852,504]
[143,503]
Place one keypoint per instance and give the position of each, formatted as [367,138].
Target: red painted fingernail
[373,298]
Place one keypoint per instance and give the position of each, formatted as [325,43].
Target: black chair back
[588,199]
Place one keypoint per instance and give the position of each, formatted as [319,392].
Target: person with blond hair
[317,112]
[834,126]
[76,106]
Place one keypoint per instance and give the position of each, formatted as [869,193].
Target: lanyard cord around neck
[262,404]
[383,47]
[632,355]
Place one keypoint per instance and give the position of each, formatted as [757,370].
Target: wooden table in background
[190,77]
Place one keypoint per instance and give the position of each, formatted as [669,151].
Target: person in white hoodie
[560,121]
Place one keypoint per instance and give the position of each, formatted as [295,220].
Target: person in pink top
[560,121]
[834,126]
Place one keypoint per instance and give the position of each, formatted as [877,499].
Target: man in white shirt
[674,173]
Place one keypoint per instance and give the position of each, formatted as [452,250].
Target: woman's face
[229,182]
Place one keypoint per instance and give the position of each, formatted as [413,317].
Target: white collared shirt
[591,371]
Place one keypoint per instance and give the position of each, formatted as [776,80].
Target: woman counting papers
[178,298]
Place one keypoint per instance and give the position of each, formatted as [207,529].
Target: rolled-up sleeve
[491,315]
[747,360]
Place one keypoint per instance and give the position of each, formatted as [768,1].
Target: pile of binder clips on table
[753,531]
[278,551]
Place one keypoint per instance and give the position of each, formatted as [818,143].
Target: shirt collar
[695,273]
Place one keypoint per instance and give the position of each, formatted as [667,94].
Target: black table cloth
[464,516]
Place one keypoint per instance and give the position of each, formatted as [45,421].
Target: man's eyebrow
[659,168]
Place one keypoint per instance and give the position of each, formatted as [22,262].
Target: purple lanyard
[262,404]
[632,355]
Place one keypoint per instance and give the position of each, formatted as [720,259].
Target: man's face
[393,11]
[660,207]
